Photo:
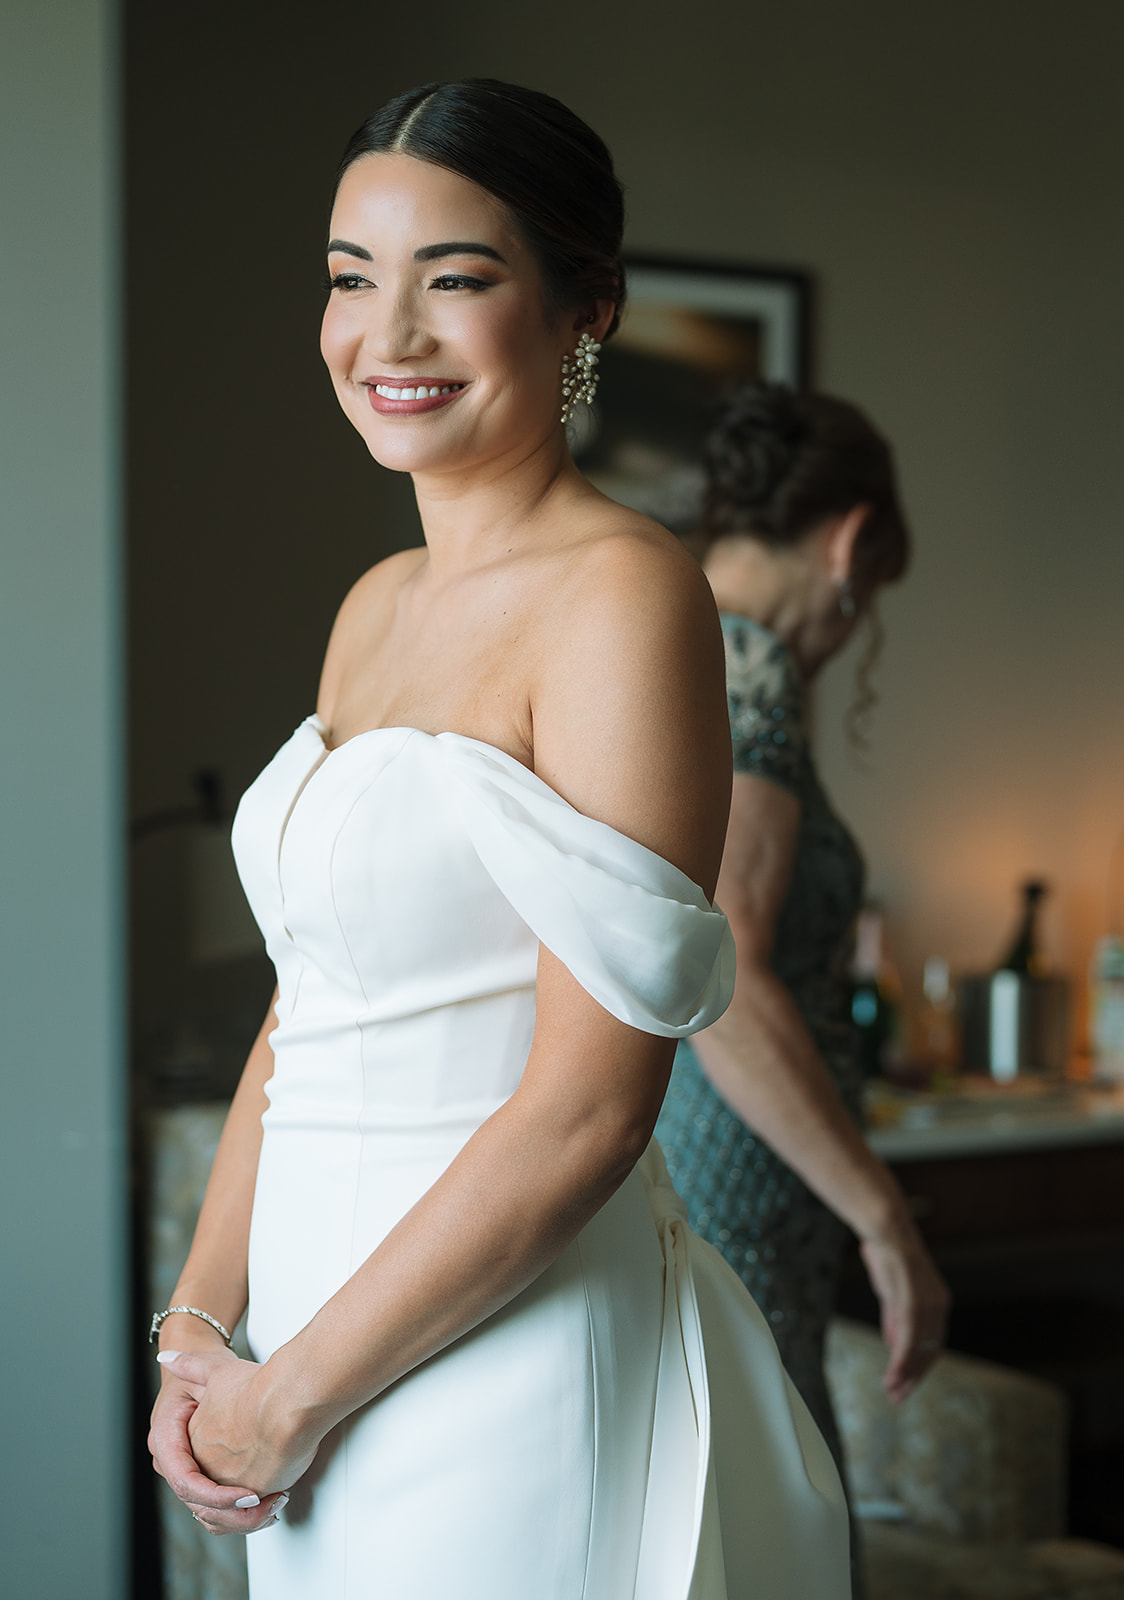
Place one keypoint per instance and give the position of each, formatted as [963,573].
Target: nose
[396,328]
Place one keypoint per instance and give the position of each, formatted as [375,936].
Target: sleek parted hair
[548,169]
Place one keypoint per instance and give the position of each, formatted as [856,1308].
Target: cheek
[335,341]
[516,345]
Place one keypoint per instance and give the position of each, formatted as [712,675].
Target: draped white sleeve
[634,930]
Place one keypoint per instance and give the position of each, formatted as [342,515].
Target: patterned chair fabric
[961,1490]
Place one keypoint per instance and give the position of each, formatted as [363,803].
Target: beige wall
[951,176]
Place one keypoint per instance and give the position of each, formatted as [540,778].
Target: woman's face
[436,333]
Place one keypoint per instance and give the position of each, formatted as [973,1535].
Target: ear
[839,540]
[594,318]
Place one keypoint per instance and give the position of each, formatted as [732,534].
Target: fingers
[196,1490]
[252,1520]
[192,1368]
[918,1341]
[914,1305]
[899,1332]
[178,1467]
[173,1460]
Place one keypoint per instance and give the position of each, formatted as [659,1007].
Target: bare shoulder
[630,594]
[630,583]
[629,706]
[368,604]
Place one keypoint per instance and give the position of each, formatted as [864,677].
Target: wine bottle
[1024,955]
[875,997]
[938,1038]
[1106,983]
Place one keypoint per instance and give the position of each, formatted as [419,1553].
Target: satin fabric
[623,1429]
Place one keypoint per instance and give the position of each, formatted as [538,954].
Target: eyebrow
[428,252]
[343,248]
[457,247]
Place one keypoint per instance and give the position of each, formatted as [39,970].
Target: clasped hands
[218,1442]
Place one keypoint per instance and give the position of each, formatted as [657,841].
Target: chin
[410,455]
[402,446]
[393,458]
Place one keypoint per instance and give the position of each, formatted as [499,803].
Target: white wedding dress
[623,1429]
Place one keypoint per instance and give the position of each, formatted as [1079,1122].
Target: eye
[458,280]
[345,281]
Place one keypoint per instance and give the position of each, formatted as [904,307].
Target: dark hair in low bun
[551,172]
[781,463]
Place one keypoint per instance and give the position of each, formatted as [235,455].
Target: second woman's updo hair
[552,173]
[779,464]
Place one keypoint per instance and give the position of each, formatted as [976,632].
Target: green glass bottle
[875,997]
[1024,955]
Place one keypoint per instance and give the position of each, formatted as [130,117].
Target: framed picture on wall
[689,329]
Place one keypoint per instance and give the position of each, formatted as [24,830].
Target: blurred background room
[939,189]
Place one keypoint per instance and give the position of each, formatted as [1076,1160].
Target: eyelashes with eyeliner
[448,281]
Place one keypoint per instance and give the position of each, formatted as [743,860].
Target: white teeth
[420,393]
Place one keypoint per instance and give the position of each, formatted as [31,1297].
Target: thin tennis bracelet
[191,1311]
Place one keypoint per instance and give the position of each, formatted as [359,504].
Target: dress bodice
[403,874]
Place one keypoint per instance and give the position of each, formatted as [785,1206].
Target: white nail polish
[164,1356]
[281,1502]
[247,1501]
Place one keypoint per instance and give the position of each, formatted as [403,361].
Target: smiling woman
[420,323]
[485,1340]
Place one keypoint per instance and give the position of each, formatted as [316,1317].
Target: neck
[473,515]
[767,586]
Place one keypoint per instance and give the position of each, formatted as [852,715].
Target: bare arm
[764,1063]
[632,730]
[214,1276]
[214,1280]
[519,1192]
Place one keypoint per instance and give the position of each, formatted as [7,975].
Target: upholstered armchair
[961,1491]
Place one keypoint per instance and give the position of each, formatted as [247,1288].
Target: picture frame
[689,330]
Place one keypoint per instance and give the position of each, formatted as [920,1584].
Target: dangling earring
[845,594]
[579,381]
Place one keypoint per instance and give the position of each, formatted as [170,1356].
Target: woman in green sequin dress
[761,1122]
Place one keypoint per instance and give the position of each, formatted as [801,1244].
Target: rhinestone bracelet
[191,1311]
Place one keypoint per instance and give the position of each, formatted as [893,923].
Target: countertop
[978,1119]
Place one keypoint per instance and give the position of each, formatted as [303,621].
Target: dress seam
[593,1386]
[345,1440]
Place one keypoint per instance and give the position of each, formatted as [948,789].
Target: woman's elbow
[616,1141]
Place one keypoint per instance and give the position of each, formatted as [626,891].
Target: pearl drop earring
[579,381]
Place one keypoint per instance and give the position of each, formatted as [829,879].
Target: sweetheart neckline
[313,721]
[315,726]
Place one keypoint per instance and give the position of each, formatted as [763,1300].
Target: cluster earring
[579,381]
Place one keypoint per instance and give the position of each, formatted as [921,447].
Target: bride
[492,1363]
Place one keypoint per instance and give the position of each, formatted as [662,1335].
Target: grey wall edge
[63,1477]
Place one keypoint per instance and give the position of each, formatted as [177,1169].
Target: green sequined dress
[773,1231]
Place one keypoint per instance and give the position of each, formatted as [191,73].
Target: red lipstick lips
[410,397]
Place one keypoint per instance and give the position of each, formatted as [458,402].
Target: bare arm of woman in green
[765,1065]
